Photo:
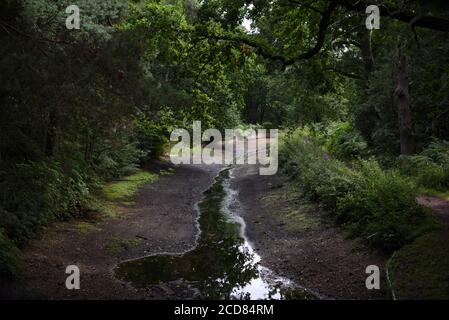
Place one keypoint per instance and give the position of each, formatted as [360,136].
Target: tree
[290,32]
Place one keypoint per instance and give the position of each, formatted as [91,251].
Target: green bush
[37,193]
[269,125]
[9,257]
[382,208]
[343,141]
[377,205]
[434,176]
[430,168]
[151,137]
[118,161]
[437,151]
[322,178]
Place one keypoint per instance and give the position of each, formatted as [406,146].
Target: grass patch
[85,227]
[118,245]
[168,172]
[440,194]
[104,208]
[125,188]
[105,203]
[420,270]
[298,220]
[298,216]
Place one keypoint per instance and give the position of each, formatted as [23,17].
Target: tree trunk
[402,98]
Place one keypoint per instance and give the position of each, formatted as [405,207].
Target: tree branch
[429,22]
[305,5]
[268,53]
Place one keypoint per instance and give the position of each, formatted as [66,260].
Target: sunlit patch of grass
[85,227]
[120,192]
[299,220]
[420,270]
[125,188]
[167,172]
[440,194]
[118,245]
[295,214]
[104,208]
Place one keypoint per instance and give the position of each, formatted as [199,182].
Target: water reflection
[222,266]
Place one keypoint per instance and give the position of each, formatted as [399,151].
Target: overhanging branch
[359,6]
[268,53]
[429,22]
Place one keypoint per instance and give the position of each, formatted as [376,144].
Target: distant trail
[439,206]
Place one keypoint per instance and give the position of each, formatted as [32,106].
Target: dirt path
[163,219]
[295,240]
[440,207]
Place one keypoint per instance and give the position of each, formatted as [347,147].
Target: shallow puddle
[223,265]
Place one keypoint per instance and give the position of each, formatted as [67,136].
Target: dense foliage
[430,168]
[378,205]
[81,107]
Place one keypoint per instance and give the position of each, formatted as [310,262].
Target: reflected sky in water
[223,265]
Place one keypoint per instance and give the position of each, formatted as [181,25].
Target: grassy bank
[380,206]
[103,202]
[420,270]
[370,202]
[125,188]
[120,191]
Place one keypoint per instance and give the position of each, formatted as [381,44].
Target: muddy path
[301,242]
[163,219]
[279,243]
[223,265]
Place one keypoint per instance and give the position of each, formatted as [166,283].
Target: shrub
[269,125]
[37,193]
[118,161]
[343,141]
[372,203]
[430,168]
[437,151]
[382,208]
[151,138]
[322,178]
[9,257]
